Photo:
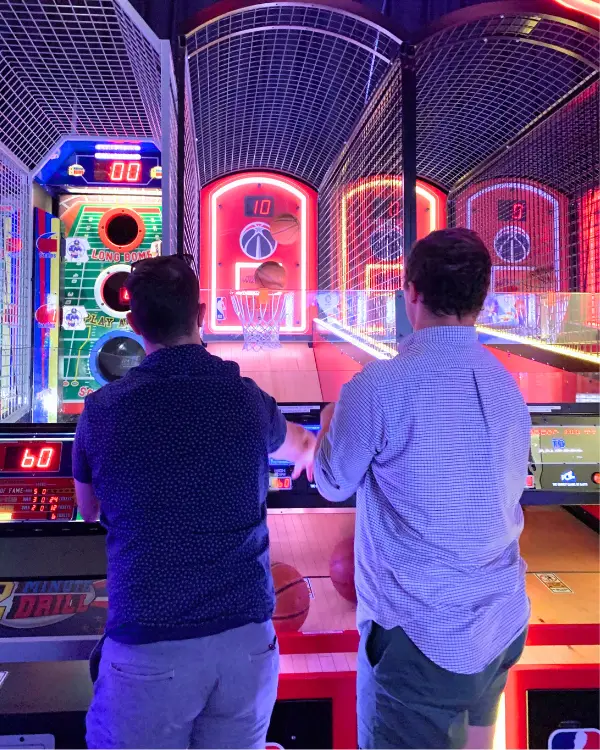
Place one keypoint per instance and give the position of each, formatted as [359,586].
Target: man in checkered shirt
[435,444]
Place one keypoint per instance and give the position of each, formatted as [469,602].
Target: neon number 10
[40,461]
[262,208]
[121,171]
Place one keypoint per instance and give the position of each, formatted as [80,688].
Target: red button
[596,477]
[529,482]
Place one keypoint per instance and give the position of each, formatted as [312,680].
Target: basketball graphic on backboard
[285,229]
[256,240]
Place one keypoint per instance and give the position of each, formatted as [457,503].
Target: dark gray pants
[407,701]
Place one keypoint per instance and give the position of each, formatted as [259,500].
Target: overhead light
[108,156]
[117,147]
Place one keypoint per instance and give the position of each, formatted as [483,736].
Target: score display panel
[36,484]
[113,170]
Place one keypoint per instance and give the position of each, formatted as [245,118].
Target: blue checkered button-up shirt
[435,444]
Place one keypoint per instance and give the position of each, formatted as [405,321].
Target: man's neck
[436,321]
[191,340]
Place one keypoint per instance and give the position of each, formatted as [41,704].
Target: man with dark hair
[173,458]
[435,444]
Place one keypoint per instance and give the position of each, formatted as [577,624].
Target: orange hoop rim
[112,214]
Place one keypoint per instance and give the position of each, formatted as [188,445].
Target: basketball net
[260,314]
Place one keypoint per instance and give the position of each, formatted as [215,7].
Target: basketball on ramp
[292,597]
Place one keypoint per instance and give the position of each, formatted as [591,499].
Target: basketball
[341,569]
[292,598]
[270,275]
[285,229]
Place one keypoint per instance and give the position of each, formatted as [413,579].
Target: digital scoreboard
[113,170]
[36,483]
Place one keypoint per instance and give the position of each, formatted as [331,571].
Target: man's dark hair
[164,298]
[451,271]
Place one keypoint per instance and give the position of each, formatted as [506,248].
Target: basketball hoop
[260,317]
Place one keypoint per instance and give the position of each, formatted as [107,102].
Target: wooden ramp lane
[289,373]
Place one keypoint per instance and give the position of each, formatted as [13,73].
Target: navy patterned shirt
[435,443]
[177,454]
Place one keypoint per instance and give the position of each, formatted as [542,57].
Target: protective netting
[281,87]
[16,255]
[84,67]
[360,217]
[480,83]
[537,207]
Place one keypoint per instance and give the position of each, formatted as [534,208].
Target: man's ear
[132,323]
[201,313]
[411,292]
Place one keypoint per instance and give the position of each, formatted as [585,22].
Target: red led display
[125,171]
[37,500]
[280,483]
[124,297]
[31,456]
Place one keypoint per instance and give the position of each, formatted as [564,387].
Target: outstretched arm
[298,448]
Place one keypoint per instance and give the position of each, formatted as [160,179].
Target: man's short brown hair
[451,271]
[164,298]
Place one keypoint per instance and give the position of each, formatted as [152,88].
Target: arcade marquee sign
[57,608]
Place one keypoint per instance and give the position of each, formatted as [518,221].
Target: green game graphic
[78,282]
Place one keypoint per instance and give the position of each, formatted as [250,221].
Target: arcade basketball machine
[327,142]
[461,126]
[88,174]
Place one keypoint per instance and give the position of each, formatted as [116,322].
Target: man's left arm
[88,504]
[352,434]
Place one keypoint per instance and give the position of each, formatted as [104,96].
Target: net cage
[72,69]
[361,243]
[281,86]
[505,94]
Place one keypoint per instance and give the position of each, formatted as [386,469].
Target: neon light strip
[370,267]
[554,348]
[334,326]
[431,198]
[101,156]
[213,249]
[537,191]
[117,147]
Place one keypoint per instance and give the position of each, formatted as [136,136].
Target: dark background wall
[165,16]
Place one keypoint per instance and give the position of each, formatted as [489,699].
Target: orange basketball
[341,569]
[285,229]
[292,598]
[270,275]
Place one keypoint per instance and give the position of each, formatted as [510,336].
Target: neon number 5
[6,589]
[28,460]
[517,211]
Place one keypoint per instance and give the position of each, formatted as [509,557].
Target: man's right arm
[351,437]
[286,440]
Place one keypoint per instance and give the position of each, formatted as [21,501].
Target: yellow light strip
[365,343]
[536,343]
[370,267]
